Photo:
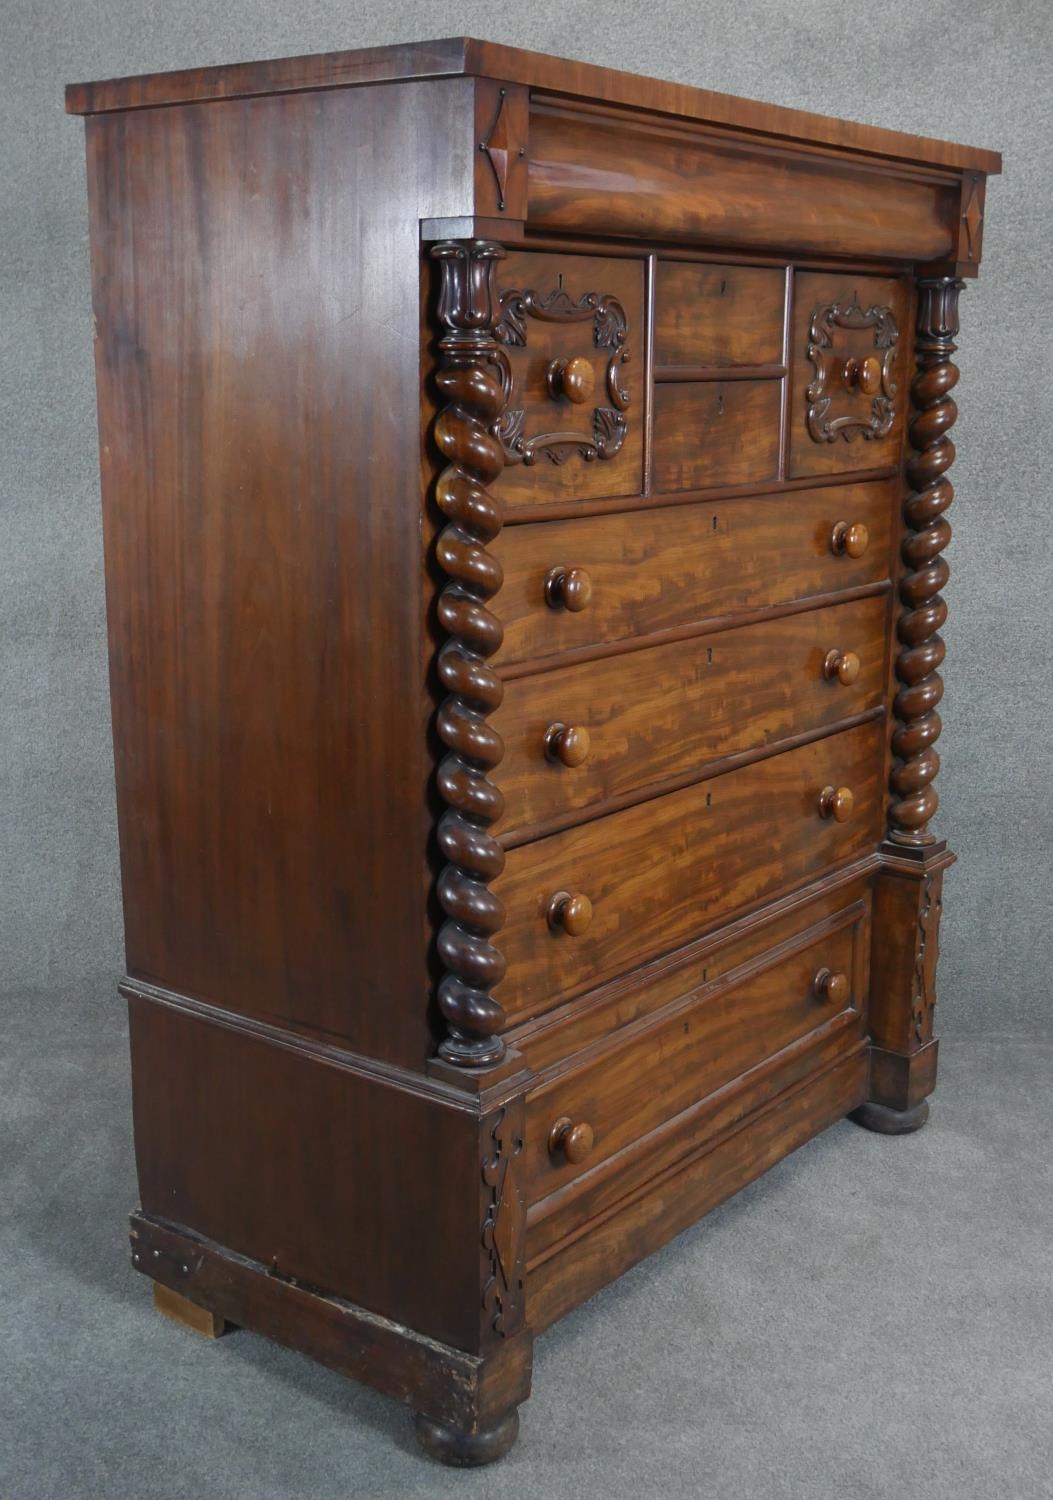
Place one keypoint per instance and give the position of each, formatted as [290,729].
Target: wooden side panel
[291,1159]
[592,172]
[256,290]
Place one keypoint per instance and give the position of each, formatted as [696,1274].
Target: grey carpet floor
[871,1320]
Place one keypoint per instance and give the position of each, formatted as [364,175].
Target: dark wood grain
[925,571]
[721,315]
[595,171]
[524,492]
[459,55]
[739,1144]
[716,432]
[650,1073]
[665,711]
[222,1116]
[463,1390]
[552,1043]
[657,873]
[850,447]
[271,793]
[557,309]
[673,568]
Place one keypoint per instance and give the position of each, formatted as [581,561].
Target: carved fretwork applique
[610,330]
[504,1227]
[863,385]
[926,956]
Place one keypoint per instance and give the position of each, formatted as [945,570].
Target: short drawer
[715,433]
[717,316]
[571,334]
[713,1034]
[593,901]
[581,734]
[579,583]
[850,377]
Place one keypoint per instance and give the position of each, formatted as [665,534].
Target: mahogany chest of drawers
[525,495]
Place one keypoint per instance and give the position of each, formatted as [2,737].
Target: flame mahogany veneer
[524,494]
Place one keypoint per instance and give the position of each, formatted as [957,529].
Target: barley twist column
[922,650]
[470,380]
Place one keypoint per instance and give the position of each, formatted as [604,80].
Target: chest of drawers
[525,495]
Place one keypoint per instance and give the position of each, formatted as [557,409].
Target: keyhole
[720,404]
[723,285]
[561,281]
[709,653]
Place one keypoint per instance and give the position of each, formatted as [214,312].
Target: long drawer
[595,900]
[592,581]
[627,1087]
[604,729]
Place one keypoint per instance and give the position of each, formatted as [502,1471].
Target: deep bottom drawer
[583,1119]
[744,1141]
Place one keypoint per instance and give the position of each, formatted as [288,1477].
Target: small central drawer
[575,584]
[715,1033]
[714,433]
[581,734]
[717,316]
[592,902]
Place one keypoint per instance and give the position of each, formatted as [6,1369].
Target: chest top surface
[469,57]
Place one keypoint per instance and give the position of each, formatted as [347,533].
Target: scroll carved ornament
[839,374]
[610,330]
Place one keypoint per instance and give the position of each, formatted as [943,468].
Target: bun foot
[467,1450]
[888,1121]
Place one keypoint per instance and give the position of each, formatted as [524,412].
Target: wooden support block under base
[188,1314]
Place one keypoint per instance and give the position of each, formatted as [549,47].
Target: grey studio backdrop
[978,72]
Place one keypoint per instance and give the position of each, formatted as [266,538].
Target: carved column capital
[925,571]
[468,294]
[471,379]
[936,324]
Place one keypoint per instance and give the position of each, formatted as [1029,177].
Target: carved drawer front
[581,583]
[850,372]
[654,1070]
[715,433]
[712,317]
[580,734]
[595,900]
[573,340]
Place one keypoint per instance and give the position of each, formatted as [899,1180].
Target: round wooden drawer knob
[568,743]
[573,378]
[569,914]
[832,986]
[844,665]
[574,1142]
[849,540]
[865,374]
[569,589]
[836,803]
